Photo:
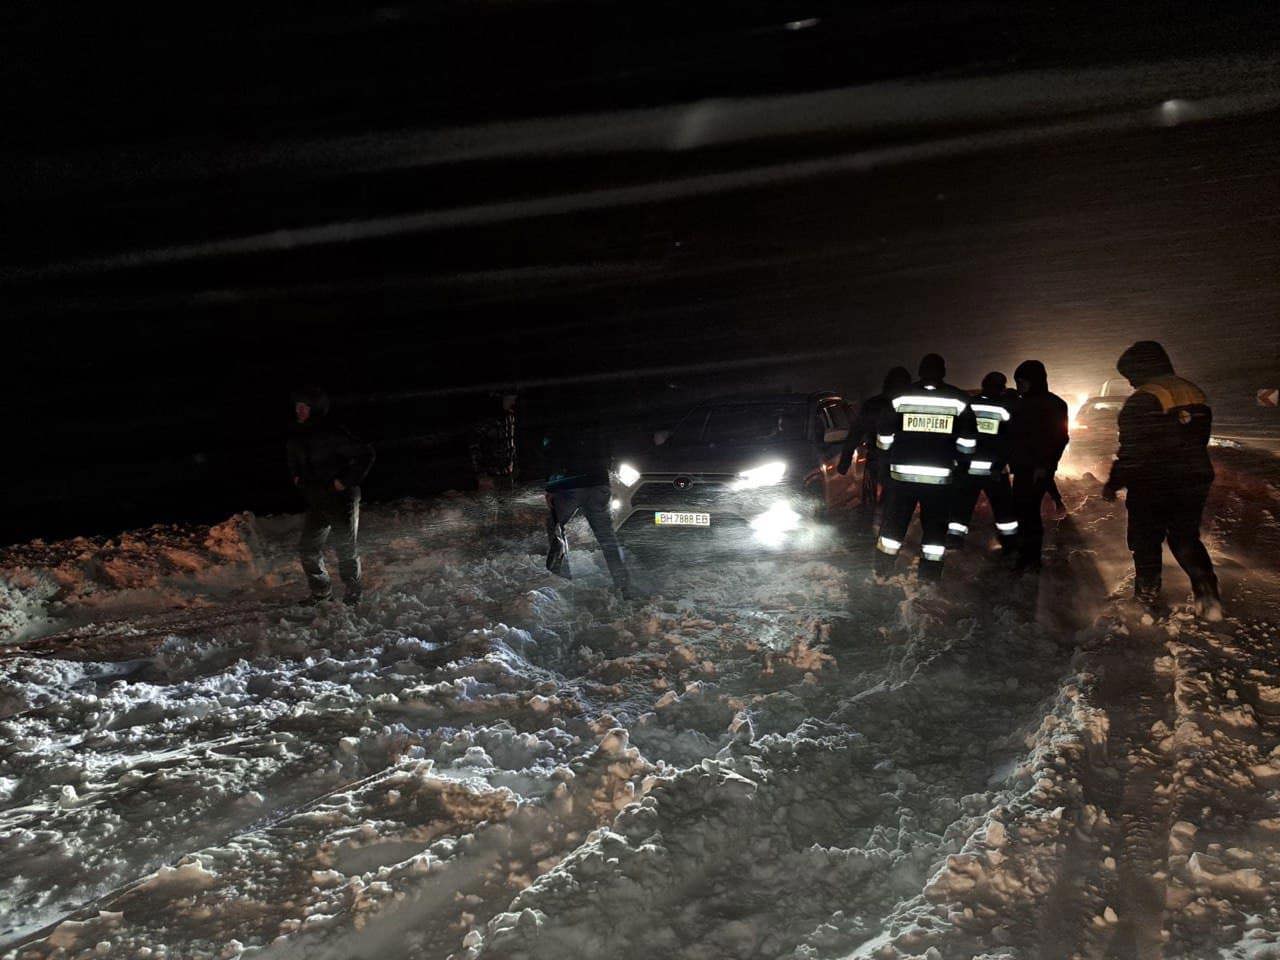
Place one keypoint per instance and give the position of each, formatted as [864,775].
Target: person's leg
[963,497]
[899,505]
[870,490]
[561,506]
[1189,550]
[1028,494]
[595,507]
[315,531]
[1000,496]
[346,528]
[934,503]
[1145,537]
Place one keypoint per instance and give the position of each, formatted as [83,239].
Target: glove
[1109,493]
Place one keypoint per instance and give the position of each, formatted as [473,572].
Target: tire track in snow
[1138,797]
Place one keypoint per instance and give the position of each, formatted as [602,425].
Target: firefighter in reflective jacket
[1163,460]
[987,474]
[928,435]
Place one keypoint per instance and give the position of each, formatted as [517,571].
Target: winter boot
[1208,603]
[883,565]
[1147,594]
[315,599]
[930,571]
[352,597]
[558,553]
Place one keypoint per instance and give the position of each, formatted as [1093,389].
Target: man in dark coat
[1163,461]
[578,456]
[876,469]
[1037,437]
[327,465]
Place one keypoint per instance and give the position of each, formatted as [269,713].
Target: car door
[835,420]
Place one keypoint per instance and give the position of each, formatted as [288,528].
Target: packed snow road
[773,757]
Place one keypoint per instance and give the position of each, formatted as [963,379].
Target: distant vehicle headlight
[764,475]
[628,474]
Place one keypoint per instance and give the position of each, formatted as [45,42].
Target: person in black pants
[1037,437]
[1163,461]
[578,457]
[327,465]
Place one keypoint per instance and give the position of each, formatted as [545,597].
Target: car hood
[720,459]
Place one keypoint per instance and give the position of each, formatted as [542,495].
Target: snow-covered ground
[773,757]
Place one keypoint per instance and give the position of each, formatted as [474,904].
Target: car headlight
[628,474]
[764,475]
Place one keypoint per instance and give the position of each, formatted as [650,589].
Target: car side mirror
[660,437]
[836,435]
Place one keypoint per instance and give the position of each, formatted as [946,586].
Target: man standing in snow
[578,457]
[493,444]
[327,465]
[875,471]
[927,433]
[1163,461]
[1037,437]
[988,472]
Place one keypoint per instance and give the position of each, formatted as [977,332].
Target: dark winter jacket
[1038,429]
[864,431]
[869,413]
[576,456]
[928,433]
[320,452]
[1164,426]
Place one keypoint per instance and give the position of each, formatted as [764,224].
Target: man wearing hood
[327,465]
[876,469]
[1037,438]
[988,474]
[1163,461]
[928,433]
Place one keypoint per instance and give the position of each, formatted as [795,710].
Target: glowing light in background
[1080,401]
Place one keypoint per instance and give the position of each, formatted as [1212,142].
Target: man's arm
[1061,432]
[293,456]
[1135,438]
[359,458]
[966,436]
[886,429]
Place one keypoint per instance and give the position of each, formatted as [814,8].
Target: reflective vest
[992,415]
[928,433]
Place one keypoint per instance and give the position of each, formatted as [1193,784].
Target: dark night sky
[568,189]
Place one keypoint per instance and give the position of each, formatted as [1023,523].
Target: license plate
[681,519]
[927,422]
[988,426]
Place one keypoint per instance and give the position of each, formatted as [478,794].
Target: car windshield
[755,423]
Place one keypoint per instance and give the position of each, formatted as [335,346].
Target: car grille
[702,493]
